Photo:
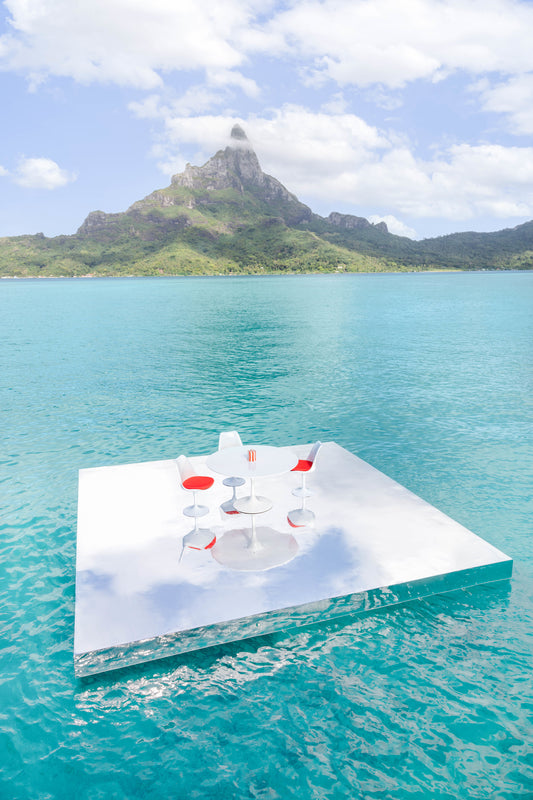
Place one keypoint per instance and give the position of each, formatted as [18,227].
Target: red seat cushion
[207,547]
[292,523]
[302,466]
[198,482]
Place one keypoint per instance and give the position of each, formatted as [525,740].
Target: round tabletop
[269,461]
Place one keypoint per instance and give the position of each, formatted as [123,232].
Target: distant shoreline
[447,271]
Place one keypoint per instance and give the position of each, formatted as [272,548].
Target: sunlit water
[427,377]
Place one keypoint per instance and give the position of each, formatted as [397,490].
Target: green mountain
[230,217]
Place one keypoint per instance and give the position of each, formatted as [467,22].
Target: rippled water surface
[429,377]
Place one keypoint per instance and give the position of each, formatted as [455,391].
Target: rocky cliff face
[97,221]
[148,226]
[350,222]
[237,167]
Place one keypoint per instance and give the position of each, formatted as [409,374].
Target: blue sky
[419,112]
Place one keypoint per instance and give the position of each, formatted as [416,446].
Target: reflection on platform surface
[372,543]
[271,549]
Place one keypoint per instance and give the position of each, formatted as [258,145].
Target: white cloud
[340,159]
[359,42]
[197,99]
[513,97]
[330,155]
[336,104]
[462,183]
[41,173]
[343,160]
[391,43]
[292,139]
[394,225]
[386,100]
[128,42]
[3,171]
[222,78]
[207,132]
[380,45]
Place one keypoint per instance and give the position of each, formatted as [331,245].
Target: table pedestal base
[254,504]
[270,549]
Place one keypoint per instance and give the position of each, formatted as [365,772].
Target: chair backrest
[229,439]
[314,452]
[185,468]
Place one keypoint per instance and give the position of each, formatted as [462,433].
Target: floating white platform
[374,544]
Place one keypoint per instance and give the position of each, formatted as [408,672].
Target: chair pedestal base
[302,492]
[234,481]
[300,517]
[196,511]
[200,539]
[228,507]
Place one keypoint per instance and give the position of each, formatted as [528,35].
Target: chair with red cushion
[230,439]
[303,516]
[198,538]
[192,482]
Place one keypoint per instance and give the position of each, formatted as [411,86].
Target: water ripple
[427,377]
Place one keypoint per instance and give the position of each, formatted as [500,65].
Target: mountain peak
[239,141]
[238,134]
[237,167]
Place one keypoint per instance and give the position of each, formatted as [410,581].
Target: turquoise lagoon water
[429,377]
